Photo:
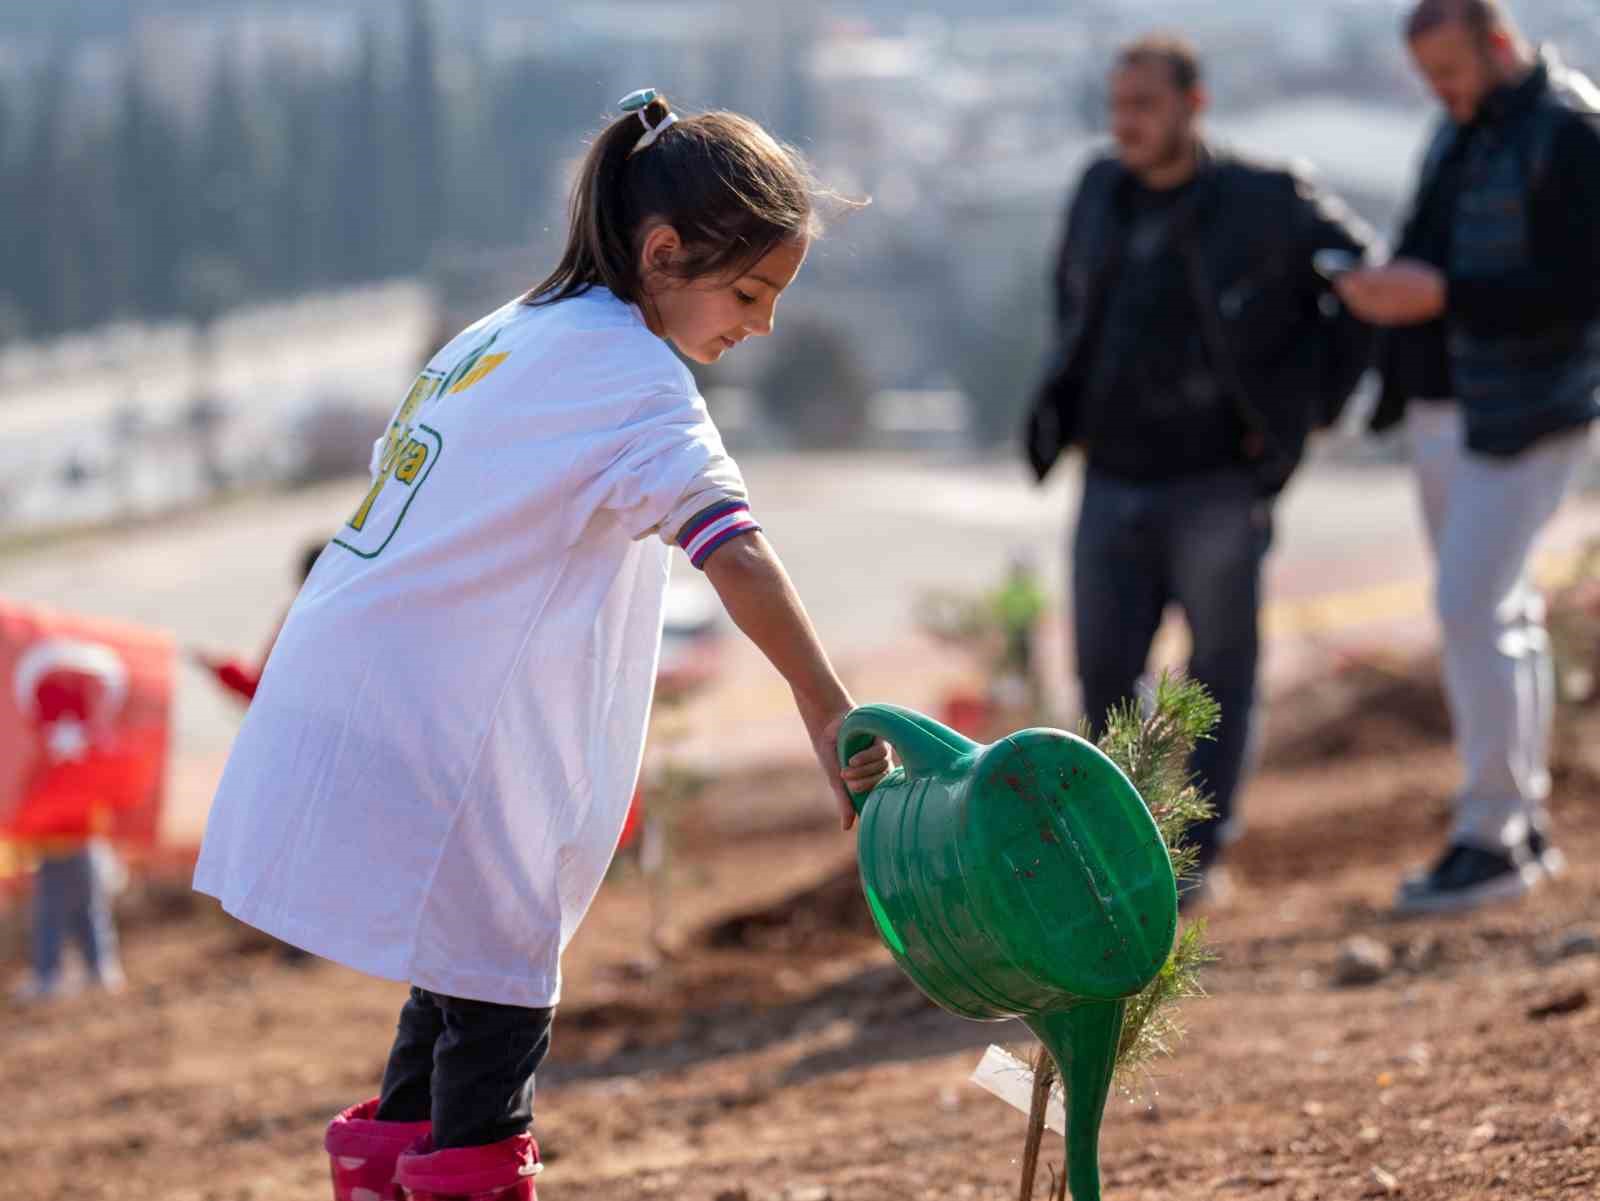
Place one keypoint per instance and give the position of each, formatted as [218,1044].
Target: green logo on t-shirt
[410,452]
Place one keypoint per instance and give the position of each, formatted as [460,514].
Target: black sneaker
[1544,854]
[1466,877]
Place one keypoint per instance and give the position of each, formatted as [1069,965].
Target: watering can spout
[925,747]
[1083,1041]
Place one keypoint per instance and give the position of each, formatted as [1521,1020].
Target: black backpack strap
[1260,444]
[1572,97]
[1538,147]
[1261,447]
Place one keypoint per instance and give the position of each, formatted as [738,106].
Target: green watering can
[1025,879]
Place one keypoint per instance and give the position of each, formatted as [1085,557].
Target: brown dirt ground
[778,1056]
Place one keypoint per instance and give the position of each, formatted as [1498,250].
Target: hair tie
[638,102]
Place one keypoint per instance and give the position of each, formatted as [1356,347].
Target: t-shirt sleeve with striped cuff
[715,526]
[674,478]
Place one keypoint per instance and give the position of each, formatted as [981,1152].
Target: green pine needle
[1153,751]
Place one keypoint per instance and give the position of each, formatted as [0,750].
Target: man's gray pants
[1483,516]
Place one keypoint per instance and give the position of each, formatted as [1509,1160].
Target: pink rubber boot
[363,1152]
[502,1171]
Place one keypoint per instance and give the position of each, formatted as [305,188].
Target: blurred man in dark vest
[1494,366]
[1196,347]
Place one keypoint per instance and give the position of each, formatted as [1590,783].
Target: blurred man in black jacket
[1494,365]
[1196,347]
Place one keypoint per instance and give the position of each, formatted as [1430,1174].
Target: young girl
[434,773]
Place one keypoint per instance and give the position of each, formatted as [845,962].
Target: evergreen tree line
[297,177]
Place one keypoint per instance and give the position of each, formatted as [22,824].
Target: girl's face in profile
[706,318]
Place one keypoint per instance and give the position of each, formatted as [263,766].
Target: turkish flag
[84,713]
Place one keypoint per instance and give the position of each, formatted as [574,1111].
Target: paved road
[863,536]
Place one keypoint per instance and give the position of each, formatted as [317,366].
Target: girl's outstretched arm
[763,603]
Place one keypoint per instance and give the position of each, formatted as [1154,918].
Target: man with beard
[1494,366]
[1196,347]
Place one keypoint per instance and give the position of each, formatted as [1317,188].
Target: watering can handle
[925,747]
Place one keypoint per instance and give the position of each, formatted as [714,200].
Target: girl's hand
[860,775]
[866,768]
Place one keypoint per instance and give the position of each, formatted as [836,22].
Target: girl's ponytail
[599,248]
[730,190]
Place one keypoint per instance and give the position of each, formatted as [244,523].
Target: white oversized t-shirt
[434,773]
